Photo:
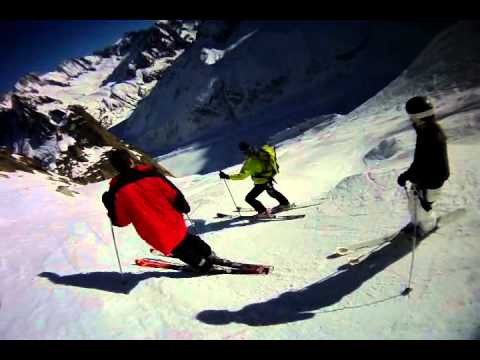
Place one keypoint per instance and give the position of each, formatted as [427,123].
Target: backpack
[268,156]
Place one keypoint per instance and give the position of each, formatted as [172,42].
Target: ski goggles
[418,117]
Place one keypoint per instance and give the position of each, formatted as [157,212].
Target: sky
[39,46]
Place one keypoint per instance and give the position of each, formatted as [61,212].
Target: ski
[159,264]
[224,262]
[254,219]
[254,268]
[442,221]
[343,250]
[216,270]
[355,260]
[241,209]
[293,207]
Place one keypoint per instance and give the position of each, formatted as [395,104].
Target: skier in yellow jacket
[261,165]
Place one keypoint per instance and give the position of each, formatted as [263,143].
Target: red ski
[233,268]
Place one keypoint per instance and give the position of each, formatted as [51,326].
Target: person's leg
[195,252]
[426,217]
[201,247]
[252,195]
[277,195]
[412,204]
[420,207]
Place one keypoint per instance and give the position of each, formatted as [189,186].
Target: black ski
[293,207]
[253,218]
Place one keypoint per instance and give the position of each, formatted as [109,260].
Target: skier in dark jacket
[430,168]
[141,195]
[262,173]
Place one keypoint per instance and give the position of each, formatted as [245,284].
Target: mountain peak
[102,89]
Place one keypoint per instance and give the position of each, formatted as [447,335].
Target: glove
[402,179]
[422,196]
[109,202]
[180,204]
[223,175]
[425,204]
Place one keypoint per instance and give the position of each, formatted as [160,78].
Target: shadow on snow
[302,304]
[109,281]
[202,228]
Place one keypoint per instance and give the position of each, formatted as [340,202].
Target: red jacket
[151,203]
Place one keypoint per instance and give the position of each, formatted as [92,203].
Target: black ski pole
[238,208]
[118,257]
[193,224]
[409,289]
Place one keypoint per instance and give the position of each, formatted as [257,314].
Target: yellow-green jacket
[255,168]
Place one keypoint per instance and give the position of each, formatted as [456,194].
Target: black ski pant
[258,189]
[195,252]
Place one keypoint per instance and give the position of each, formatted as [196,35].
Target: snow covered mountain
[70,286]
[110,82]
[279,72]
[45,117]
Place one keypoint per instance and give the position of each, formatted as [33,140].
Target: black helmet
[243,146]
[120,159]
[419,107]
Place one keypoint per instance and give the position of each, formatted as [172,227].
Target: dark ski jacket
[430,168]
[147,199]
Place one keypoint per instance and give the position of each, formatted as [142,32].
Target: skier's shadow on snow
[109,281]
[202,228]
[301,305]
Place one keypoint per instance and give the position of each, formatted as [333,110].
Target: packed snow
[60,278]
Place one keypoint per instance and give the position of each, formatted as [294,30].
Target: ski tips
[342,251]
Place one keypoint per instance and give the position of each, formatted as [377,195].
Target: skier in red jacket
[141,195]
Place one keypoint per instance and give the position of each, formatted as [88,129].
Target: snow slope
[270,71]
[69,286]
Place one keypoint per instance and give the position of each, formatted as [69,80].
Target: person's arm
[440,149]
[418,159]
[180,203]
[116,210]
[109,203]
[246,171]
[410,173]
[175,196]
[121,214]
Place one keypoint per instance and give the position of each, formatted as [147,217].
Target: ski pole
[191,222]
[116,251]
[238,208]
[408,289]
